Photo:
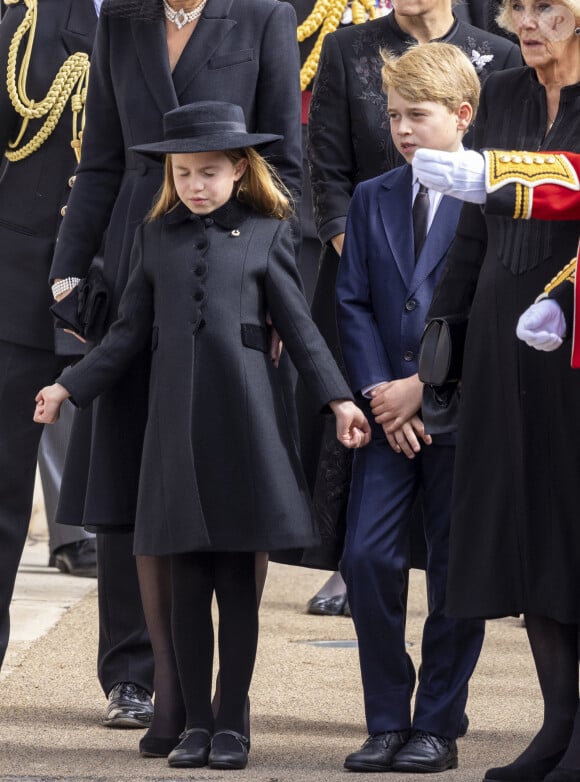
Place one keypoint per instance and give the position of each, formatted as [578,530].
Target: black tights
[196,576]
[555,648]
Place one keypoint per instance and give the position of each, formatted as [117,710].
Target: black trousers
[23,372]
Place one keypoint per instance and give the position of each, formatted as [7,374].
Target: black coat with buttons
[33,190]
[242,51]
[219,468]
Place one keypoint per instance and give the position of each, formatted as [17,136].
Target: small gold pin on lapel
[235,232]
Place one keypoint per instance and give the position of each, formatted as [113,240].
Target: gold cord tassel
[73,74]
[326,16]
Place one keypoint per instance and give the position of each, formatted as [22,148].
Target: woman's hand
[542,326]
[48,402]
[352,428]
[406,438]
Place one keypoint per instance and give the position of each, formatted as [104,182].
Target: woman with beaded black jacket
[149,58]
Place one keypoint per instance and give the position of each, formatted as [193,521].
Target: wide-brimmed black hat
[205,126]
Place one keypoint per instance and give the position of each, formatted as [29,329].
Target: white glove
[459,174]
[543,325]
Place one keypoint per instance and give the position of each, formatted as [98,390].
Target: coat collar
[229,216]
[79,31]
[393,25]
[151,47]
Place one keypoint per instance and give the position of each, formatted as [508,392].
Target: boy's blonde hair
[437,72]
[259,186]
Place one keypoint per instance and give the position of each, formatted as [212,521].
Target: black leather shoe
[377,753]
[76,559]
[157,746]
[327,606]
[528,771]
[426,753]
[192,751]
[229,750]
[129,707]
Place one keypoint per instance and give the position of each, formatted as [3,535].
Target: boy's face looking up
[426,124]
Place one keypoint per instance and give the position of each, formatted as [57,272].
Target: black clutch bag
[440,364]
[441,351]
[85,309]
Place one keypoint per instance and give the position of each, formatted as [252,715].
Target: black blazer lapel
[395,210]
[211,30]
[151,48]
[79,31]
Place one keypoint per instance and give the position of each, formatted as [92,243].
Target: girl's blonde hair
[437,72]
[259,186]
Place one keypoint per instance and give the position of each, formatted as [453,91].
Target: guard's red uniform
[545,186]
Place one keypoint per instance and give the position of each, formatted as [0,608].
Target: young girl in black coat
[220,478]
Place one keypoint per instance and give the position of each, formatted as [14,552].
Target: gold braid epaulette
[567,274]
[70,83]
[326,15]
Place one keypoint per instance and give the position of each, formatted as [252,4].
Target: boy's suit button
[408,355]
[411,305]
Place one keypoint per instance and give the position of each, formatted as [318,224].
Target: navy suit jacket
[382,294]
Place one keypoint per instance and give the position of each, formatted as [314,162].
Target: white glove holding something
[459,174]
[543,325]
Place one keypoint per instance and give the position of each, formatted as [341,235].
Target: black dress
[515,537]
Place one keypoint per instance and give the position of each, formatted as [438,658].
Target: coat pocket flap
[255,337]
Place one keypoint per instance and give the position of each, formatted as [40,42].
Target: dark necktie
[420,218]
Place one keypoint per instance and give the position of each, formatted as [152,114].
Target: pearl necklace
[181,18]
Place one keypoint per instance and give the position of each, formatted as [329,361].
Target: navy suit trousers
[375,567]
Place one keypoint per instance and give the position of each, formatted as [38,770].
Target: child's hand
[406,439]
[48,402]
[395,403]
[352,428]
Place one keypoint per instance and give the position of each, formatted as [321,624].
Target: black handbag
[440,364]
[85,309]
[441,351]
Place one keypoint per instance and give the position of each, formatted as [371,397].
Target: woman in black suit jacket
[143,66]
[33,188]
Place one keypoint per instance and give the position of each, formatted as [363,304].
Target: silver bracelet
[66,284]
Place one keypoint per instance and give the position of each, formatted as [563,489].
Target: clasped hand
[352,428]
[395,406]
[48,402]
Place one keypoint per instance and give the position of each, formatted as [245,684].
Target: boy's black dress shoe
[77,559]
[157,746]
[192,751]
[129,706]
[530,771]
[377,753]
[426,753]
[229,750]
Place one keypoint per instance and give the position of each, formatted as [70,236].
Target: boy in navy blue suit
[396,241]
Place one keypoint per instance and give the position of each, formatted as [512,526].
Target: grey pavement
[307,712]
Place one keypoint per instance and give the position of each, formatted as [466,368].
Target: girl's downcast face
[204,181]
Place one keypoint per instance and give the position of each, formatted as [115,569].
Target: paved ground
[306,696]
